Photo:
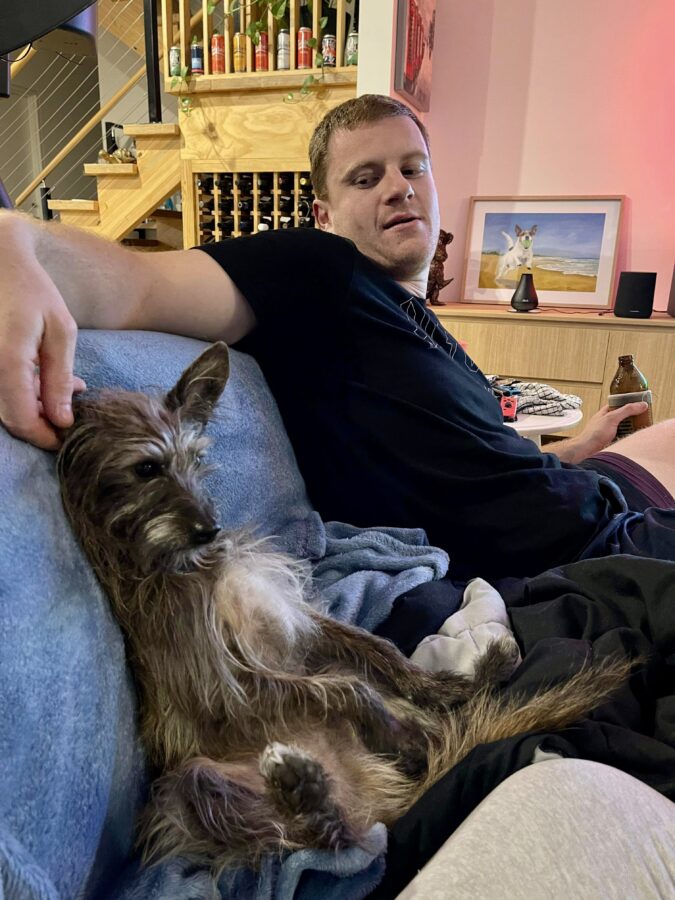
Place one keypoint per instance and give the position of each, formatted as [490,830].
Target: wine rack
[233,204]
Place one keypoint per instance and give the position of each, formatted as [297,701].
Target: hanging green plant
[182,82]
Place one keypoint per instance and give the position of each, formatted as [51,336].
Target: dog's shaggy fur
[271,726]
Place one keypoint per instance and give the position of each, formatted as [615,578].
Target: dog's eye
[148,468]
[199,459]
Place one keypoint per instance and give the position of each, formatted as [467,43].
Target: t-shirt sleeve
[286,274]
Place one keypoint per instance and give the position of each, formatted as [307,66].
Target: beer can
[304,50]
[196,57]
[217,53]
[262,53]
[174,60]
[239,51]
[352,49]
[328,45]
[284,49]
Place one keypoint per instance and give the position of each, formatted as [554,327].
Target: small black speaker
[635,295]
[671,298]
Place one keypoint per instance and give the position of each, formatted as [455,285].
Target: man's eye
[148,468]
[364,180]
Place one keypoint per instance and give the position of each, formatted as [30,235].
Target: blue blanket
[72,773]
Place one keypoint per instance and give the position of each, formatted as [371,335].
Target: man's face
[382,196]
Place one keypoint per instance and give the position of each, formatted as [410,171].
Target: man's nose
[396,186]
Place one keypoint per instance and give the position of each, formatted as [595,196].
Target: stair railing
[98,116]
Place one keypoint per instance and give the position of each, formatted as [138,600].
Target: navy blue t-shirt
[392,422]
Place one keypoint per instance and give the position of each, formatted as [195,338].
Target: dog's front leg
[326,697]
[379,662]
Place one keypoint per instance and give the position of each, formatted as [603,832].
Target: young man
[391,422]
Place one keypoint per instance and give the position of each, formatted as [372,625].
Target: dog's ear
[519,231]
[201,384]
[533,230]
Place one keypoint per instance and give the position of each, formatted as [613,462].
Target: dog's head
[131,470]
[525,237]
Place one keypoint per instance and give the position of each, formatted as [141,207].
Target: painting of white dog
[520,251]
[561,250]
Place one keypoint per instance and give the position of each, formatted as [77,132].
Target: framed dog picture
[415,25]
[569,245]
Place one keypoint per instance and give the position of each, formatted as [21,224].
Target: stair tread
[153,129]
[110,169]
[84,205]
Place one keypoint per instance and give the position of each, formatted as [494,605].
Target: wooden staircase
[129,192]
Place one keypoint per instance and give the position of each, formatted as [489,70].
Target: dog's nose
[203,533]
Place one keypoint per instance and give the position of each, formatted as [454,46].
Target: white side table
[533,426]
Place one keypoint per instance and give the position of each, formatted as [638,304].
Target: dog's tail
[489,716]
[509,241]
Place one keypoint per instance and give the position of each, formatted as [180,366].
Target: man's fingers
[56,369]
[20,409]
[630,409]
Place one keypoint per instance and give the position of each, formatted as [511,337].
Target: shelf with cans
[218,50]
[232,204]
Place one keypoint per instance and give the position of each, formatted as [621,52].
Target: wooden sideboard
[576,352]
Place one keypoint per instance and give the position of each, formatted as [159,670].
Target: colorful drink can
[239,51]
[174,60]
[196,57]
[304,50]
[217,53]
[284,49]
[262,53]
[352,49]
[328,45]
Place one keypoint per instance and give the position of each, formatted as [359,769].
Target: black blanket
[598,607]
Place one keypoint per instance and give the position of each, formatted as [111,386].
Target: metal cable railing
[62,70]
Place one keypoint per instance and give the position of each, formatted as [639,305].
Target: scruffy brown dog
[271,726]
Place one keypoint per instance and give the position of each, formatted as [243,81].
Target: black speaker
[671,298]
[635,295]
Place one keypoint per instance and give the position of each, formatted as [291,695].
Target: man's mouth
[400,220]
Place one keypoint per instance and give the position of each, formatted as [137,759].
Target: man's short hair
[350,115]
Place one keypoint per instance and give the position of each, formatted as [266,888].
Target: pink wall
[567,98]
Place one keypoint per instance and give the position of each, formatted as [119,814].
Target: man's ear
[201,384]
[322,215]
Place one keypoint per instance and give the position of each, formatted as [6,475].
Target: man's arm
[56,278]
[597,435]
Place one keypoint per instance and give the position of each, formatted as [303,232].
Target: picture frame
[568,243]
[415,27]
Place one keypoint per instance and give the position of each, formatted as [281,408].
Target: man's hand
[597,435]
[54,277]
[37,345]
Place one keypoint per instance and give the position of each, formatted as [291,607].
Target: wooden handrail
[95,119]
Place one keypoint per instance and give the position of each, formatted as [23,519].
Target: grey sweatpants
[558,830]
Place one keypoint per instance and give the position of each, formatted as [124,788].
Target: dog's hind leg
[213,814]
[300,790]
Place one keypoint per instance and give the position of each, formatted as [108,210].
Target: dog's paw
[297,781]
[498,663]
[446,690]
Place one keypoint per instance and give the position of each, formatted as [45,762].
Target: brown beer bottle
[630,385]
